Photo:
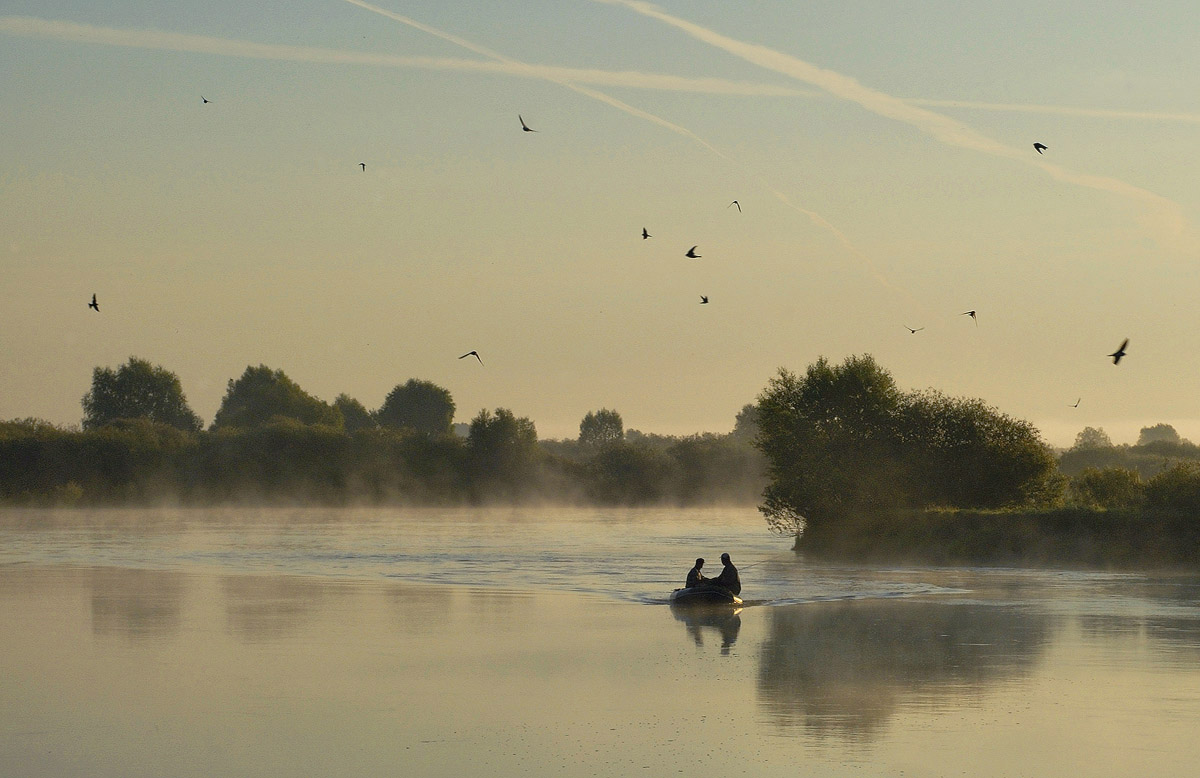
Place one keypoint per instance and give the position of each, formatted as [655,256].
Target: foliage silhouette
[263,395]
[420,405]
[137,390]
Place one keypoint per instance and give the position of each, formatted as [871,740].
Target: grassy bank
[1117,539]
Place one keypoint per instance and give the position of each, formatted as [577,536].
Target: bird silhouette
[1039,147]
[363,165]
[910,329]
[646,234]
[735,202]
[204,100]
[692,253]
[94,305]
[704,299]
[1076,405]
[972,315]
[524,126]
[472,354]
[1120,352]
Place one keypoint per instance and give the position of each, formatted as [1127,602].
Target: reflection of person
[694,576]
[728,578]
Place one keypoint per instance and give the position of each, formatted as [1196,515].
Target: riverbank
[1116,539]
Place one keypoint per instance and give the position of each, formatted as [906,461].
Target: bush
[1110,487]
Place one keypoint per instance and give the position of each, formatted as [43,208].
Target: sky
[881,155]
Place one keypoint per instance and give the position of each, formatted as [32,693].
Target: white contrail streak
[49,29]
[483,51]
[1165,217]
[27,27]
[1059,110]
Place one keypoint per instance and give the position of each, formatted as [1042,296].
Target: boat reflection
[845,668]
[723,619]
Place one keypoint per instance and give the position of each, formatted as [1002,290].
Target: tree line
[859,468]
[271,441]
[814,450]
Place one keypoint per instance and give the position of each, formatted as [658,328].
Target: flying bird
[93,304]
[363,165]
[704,299]
[204,100]
[735,202]
[472,354]
[972,315]
[1040,147]
[1120,352]
[910,329]
[524,126]
[646,234]
[692,253]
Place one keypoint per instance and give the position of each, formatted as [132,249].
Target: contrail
[483,51]
[50,29]
[1166,219]
[28,27]
[1059,110]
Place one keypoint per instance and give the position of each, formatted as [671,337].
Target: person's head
[725,559]
[699,563]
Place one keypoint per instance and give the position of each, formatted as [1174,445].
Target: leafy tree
[137,390]
[624,473]
[601,428]
[966,454]
[262,395]
[420,405]
[745,424]
[1176,488]
[1109,487]
[503,451]
[830,441]
[1092,437]
[1159,433]
[716,468]
[843,439]
[355,416]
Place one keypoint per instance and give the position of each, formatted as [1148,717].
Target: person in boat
[728,579]
[694,576]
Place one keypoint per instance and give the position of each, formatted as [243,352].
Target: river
[538,642]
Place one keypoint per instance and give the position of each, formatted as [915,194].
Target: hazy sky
[882,154]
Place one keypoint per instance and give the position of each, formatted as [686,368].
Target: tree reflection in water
[844,668]
[721,618]
[259,607]
[137,604]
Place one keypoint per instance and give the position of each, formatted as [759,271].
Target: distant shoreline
[1117,539]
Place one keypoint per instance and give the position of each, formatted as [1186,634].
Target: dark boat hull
[704,595]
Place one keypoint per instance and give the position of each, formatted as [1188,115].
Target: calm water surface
[538,642]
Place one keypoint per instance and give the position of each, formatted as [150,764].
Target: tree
[830,441]
[355,416]
[623,473]
[843,439]
[601,428]
[1092,437]
[420,405]
[263,394]
[965,454]
[503,451]
[1159,433]
[137,390]
[745,424]
[1109,487]
[1176,488]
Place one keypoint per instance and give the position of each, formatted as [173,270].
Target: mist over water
[539,642]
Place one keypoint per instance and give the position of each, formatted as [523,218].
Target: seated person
[694,576]
[728,578]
